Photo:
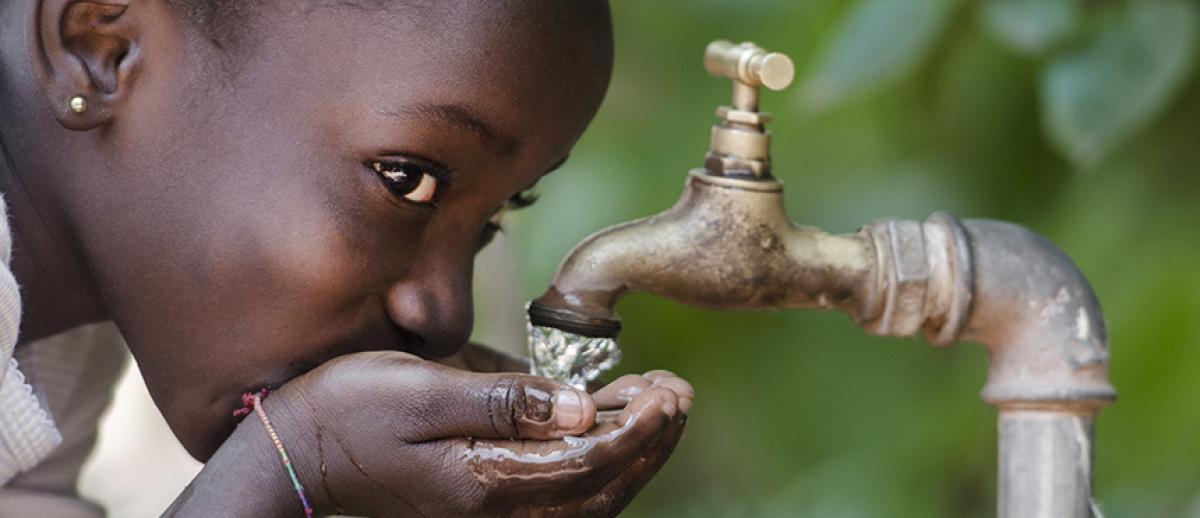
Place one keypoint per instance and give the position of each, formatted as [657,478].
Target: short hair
[223,22]
[226,23]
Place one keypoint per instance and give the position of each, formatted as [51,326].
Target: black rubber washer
[573,322]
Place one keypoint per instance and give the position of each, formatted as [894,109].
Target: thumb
[508,406]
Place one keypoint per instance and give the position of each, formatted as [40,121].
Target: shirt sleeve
[27,431]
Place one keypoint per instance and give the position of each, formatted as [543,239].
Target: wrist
[246,476]
[300,437]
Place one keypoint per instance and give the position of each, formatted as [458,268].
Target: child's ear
[86,55]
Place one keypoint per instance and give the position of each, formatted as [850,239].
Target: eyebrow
[461,116]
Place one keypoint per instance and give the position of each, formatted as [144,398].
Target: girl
[285,198]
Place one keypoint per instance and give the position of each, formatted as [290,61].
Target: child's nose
[436,308]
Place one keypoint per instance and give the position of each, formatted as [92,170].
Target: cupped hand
[388,434]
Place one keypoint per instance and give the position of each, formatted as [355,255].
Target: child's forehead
[486,34]
[539,53]
[524,81]
[530,17]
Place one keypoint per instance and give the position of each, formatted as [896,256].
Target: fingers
[617,494]
[529,407]
[620,392]
[517,473]
[642,421]
[659,373]
[499,406]
[680,386]
[441,402]
[620,491]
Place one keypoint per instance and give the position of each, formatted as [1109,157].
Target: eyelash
[522,199]
[517,201]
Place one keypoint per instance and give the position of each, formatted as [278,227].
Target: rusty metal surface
[727,244]
[1036,312]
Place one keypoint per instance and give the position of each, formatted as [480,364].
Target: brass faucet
[728,244]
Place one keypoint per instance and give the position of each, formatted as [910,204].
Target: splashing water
[568,357]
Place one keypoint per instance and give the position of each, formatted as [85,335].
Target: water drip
[569,357]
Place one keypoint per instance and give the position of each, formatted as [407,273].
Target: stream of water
[568,357]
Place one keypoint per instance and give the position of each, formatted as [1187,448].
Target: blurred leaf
[1030,26]
[877,41]
[1098,95]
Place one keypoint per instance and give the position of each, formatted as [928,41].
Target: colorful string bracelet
[252,401]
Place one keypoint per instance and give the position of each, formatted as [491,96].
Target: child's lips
[275,383]
[272,384]
[272,379]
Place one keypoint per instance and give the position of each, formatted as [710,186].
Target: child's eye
[517,201]
[413,182]
[521,200]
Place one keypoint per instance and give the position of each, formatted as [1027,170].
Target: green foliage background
[1078,119]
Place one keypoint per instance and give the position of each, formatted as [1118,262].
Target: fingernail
[669,409]
[568,410]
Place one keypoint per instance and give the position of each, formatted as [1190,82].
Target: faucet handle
[740,145]
[749,64]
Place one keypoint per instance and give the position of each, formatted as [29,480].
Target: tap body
[728,244]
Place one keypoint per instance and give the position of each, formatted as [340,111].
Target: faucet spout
[727,244]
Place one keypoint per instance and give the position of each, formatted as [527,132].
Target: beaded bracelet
[252,401]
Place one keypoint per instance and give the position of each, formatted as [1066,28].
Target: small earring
[78,104]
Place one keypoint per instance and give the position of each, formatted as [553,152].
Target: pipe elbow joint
[1042,324]
[1004,286]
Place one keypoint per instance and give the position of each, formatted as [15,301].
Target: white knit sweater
[27,431]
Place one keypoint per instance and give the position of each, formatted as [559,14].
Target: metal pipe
[1045,464]
[728,244]
[985,281]
[1048,374]
[1028,303]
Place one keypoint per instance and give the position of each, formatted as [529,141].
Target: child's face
[241,233]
